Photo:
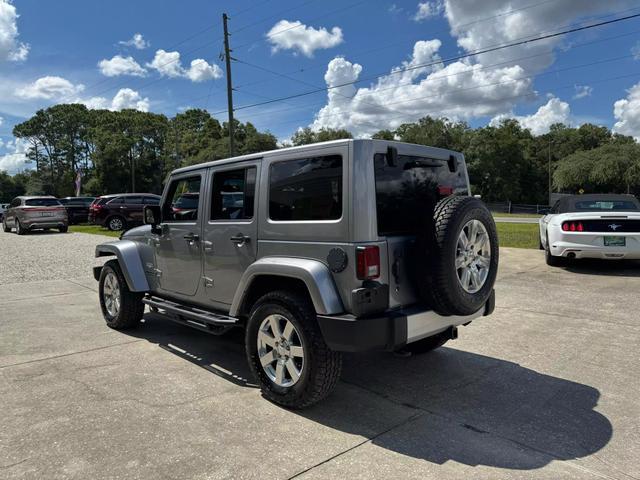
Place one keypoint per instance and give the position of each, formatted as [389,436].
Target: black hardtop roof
[568,203]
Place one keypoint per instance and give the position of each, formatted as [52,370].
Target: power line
[440,61]
[485,85]
[498,100]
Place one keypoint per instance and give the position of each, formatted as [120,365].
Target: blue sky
[124,54]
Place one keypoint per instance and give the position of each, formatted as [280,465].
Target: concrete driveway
[547,387]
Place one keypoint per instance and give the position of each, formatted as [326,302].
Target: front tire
[287,353]
[122,309]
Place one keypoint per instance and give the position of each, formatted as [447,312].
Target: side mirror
[151,215]
[392,156]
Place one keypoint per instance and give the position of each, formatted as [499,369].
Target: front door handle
[191,238]
[240,239]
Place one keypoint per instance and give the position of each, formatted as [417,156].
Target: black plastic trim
[346,333]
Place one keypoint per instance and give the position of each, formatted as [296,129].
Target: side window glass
[151,201]
[133,200]
[554,209]
[232,195]
[182,200]
[306,189]
[116,201]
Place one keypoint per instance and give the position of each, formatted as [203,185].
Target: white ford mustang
[591,226]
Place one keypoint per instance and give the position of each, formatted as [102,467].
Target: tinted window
[133,200]
[42,202]
[115,201]
[606,205]
[409,191]
[175,209]
[15,202]
[306,189]
[64,201]
[151,201]
[233,194]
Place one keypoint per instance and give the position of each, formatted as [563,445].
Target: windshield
[606,205]
[42,202]
[409,191]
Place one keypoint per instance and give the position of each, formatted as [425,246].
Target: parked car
[77,208]
[342,246]
[591,226]
[3,207]
[120,211]
[31,213]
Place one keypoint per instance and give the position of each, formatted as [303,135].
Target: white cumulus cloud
[554,111]
[518,19]
[10,48]
[459,90]
[428,10]
[582,91]
[17,160]
[49,88]
[168,64]
[137,41]
[125,98]
[627,113]
[119,65]
[296,36]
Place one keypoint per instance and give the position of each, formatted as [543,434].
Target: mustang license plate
[614,241]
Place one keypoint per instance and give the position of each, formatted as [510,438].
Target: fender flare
[314,274]
[128,257]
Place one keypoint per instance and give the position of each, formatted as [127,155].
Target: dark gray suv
[341,246]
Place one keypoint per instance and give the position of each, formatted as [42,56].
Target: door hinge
[208,282]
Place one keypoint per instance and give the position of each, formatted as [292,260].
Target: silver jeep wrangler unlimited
[342,246]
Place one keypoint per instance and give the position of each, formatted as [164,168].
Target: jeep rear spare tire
[461,246]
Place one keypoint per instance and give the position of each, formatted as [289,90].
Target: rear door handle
[240,239]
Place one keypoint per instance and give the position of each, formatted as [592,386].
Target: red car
[120,211]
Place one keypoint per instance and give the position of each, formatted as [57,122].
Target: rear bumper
[391,330]
[31,224]
[593,247]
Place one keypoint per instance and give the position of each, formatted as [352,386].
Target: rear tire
[442,279]
[6,228]
[122,309]
[116,223]
[64,229]
[294,344]
[19,229]
[552,260]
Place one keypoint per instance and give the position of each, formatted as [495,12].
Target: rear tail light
[368,262]
[573,227]
[445,191]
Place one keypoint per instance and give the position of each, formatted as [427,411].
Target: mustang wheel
[286,351]
[121,308]
[552,260]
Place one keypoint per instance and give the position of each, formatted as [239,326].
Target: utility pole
[227,59]
[549,165]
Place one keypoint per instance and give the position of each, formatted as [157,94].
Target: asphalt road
[516,219]
[547,387]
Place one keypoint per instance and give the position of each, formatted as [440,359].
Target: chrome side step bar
[191,316]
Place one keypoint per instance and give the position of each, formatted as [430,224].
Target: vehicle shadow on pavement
[465,407]
[620,268]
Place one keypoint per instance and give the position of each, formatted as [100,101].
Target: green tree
[305,136]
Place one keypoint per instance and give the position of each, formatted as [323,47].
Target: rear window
[606,205]
[306,189]
[409,191]
[42,202]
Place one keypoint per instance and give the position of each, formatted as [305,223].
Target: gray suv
[26,214]
[342,246]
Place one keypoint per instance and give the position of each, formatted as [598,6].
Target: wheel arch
[126,252]
[309,277]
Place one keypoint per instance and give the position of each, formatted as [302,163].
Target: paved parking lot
[547,387]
